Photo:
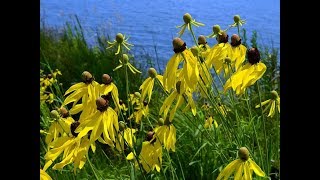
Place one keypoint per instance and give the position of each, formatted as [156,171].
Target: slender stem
[238,31]
[94,172]
[193,36]
[264,127]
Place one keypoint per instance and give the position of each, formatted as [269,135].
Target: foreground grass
[200,153]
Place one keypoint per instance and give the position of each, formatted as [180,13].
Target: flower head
[125,62]
[274,102]
[166,134]
[216,30]
[239,50]
[237,21]
[147,85]
[241,167]
[120,40]
[188,22]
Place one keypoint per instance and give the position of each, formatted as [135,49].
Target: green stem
[94,172]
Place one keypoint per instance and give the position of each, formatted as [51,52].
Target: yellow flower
[125,137]
[190,71]
[203,46]
[167,135]
[87,91]
[120,40]
[273,102]
[102,122]
[122,107]
[237,21]
[242,167]
[188,22]
[135,98]
[178,94]
[125,62]
[59,127]
[151,154]
[141,110]
[248,74]
[239,50]
[218,55]
[108,88]
[147,85]
[216,30]
[73,148]
[44,175]
[209,121]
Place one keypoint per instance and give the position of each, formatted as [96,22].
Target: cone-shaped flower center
[64,112]
[202,40]
[178,45]
[216,29]
[243,153]
[152,72]
[106,79]
[102,104]
[223,38]
[73,127]
[87,77]
[119,38]
[150,136]
[187,18]
[235,40]
[125,58]
[253,56]
[54,114]
[274,94]
[236,18]
[160,122]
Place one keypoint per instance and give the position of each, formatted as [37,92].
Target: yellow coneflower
[239,51]
[188,22]
[209,121]
[190,71]
[151,153]
[274,102]
[87,91]
[242,167]
[125,62]
[135,98]
[125,137]
[120,40]
[237,21]
[74,150]
[103,122]
[147,85]
[59,126]
[166,133]
[142,109]
[177,94]
[248,74]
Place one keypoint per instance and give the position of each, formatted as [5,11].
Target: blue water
[153,23]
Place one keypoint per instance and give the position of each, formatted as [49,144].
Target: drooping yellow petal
[75,87]
[263,103]
[76,109]
[229,169]
[170,74]
[167,103]
[247,172]
[130,156]
[44,175]
[239,171]
[75,96]
[256,168]
[272,109]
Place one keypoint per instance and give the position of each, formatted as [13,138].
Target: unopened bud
[125,58]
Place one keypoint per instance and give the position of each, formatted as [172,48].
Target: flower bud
[152,72]
[274,94]
[137,94]
[243,153]
[187,18]
[125,58]
[54,114]
[160,122]
[195,51]
[119,38]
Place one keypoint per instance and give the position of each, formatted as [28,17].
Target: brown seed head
[178,45]
[150,135]
[64,112]
[102,104]
[223,38]
[106,79]
[235,40]
[202,40]
[87,77]
[253,55]
[243,153]
[73,127]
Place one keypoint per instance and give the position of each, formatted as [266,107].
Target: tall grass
[200,153]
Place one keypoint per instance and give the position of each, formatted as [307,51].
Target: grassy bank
[202,149]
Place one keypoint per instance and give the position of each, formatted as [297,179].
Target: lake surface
[153,23]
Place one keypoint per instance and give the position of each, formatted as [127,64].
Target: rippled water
[153,23]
